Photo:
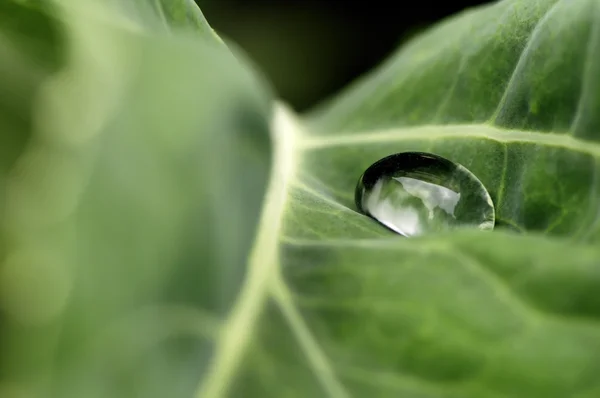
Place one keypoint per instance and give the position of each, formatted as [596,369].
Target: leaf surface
[511,91]
[137,163]
[143,173]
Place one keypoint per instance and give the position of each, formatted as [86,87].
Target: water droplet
[415,193]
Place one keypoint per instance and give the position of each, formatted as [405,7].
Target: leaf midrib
[263,263]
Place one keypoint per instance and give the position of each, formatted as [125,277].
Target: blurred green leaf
[134,183]
[135,162]
[173,16]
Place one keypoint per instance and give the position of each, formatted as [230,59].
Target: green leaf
[134,165]
[512,92]
[174,16]
[133,214]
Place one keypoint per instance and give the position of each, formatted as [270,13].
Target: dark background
[309,49]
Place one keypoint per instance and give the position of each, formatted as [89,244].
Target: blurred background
[309,49]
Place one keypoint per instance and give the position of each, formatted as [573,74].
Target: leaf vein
[239,327]
[315,355]
[432,132]
[522,59]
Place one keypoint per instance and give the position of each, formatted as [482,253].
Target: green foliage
[157,242]
[124,145]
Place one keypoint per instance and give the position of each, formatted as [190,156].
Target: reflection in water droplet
[415,193]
